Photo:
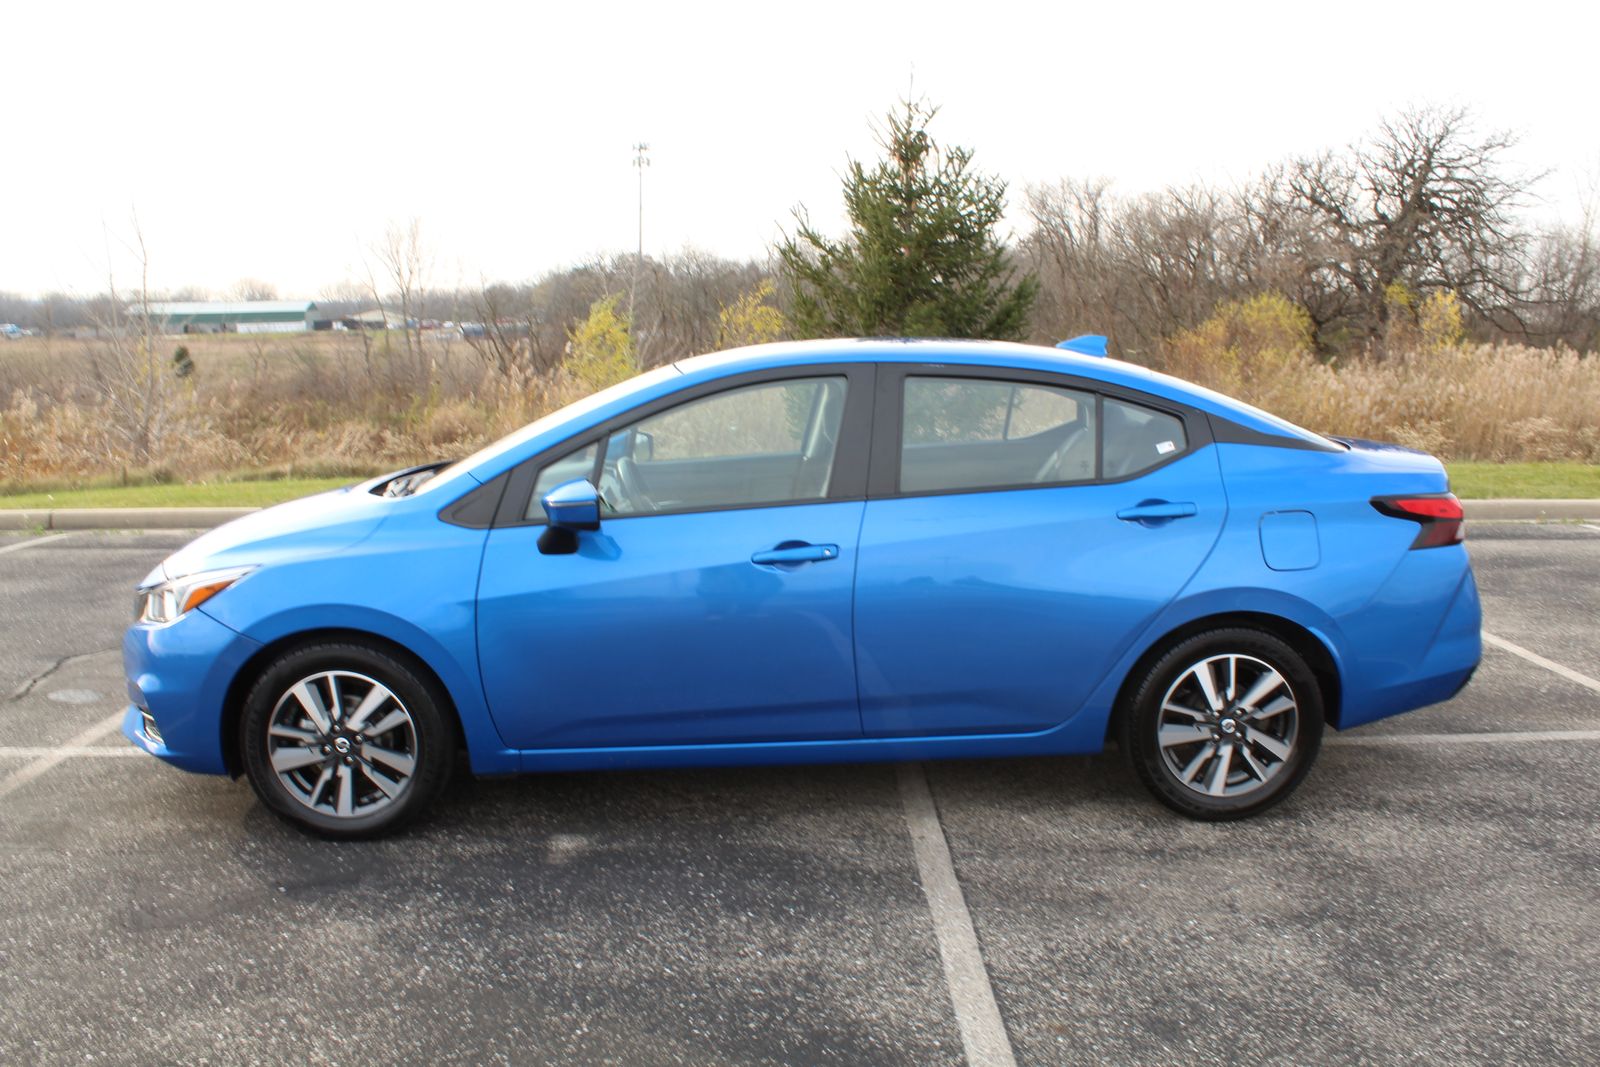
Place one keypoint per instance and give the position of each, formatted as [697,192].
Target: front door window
[771,443]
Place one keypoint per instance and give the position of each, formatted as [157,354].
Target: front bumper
[179,673]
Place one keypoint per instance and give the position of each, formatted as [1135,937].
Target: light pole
[641,160]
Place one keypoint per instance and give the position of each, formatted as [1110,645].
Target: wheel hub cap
[342,744]
[1228,725]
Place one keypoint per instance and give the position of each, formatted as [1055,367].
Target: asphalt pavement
[1431,894]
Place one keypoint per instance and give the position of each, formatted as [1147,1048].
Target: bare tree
[511,334]
[252,289]
[1353,237]
[135,382]
[1136,270]
[1564,285]
[681,301]
[1069,252]
[1425,204]
[403,264]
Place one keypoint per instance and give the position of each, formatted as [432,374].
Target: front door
[1030,533]
[713,604]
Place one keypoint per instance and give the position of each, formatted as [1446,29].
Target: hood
[312,526]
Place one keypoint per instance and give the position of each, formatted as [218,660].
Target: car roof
[993,354]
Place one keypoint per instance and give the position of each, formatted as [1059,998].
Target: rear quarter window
[1137,438]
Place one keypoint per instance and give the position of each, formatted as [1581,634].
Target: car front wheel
[1225,724]
[345,740]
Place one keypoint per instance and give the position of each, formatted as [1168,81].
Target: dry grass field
[325,404]
[331,405]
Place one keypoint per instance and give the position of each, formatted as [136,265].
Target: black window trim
[883,476]
[1226,431]
[477,509]
[848,481]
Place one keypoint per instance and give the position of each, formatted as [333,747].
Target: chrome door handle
[792,553]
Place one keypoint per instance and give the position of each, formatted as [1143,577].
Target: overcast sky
[277,141]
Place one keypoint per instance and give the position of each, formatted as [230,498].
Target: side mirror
[644,446]
[573,505]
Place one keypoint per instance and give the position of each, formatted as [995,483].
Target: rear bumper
[180,674]
[1443,671]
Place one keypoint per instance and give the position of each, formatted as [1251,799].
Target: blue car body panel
[181,672]
[973,623]
[418,586]
[982,613]
[660,629]
[1377,606]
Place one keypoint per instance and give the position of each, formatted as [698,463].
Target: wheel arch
[1306,643]
[239,687]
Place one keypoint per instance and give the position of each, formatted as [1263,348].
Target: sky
[280,141]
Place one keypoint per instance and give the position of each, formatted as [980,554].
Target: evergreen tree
[922,258]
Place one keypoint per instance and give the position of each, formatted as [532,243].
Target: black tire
[1263,777]
[429,739]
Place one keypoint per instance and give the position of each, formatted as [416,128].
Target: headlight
[170,600]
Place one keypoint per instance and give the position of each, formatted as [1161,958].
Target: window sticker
[1166,446]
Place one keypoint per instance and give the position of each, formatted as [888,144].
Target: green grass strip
[201,495]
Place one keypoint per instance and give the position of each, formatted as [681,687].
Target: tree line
[1359,238]
[1363,240]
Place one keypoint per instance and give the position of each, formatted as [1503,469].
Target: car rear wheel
[1225,724]
[345,740]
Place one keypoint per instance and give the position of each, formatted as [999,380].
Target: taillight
[1439,515]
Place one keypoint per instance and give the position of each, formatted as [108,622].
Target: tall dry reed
[342,405]
[1486,402]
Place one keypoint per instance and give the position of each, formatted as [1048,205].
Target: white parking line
[32,542]
[983,1033]
[74,752]
[1487,737]
[17,779]
[1550,665]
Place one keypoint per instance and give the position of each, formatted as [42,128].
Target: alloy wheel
[1228,725]
[342,744]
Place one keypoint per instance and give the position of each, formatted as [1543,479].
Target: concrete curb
[1536,510]
[206,518]
[119,518]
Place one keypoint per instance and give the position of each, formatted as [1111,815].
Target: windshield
[575,410]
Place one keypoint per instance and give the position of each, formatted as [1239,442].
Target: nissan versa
[828,551]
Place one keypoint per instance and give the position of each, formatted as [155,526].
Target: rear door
[1022,530]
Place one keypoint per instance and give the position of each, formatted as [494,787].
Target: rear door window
[974,433]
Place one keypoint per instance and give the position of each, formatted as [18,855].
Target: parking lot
[1431,894]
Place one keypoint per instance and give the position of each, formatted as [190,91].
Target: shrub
[599,349]
[1243,346]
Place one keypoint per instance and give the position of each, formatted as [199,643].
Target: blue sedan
[825,551]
